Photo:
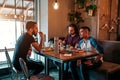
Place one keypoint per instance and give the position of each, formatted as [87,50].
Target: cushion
[109,67]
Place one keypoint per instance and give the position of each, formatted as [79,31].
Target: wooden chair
[33,77]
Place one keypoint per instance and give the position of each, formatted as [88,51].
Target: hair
[30,24]
[75,28]
[85,27]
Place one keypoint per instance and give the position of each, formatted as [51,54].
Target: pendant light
[56,5]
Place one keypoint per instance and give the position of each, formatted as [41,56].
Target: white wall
[44,17]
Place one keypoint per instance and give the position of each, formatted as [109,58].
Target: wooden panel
[108,12]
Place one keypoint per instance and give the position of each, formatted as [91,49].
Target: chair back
[10,65]
[24,68]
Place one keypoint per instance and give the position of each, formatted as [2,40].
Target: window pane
[3,57]
[7,33]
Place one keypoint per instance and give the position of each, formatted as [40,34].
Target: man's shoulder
[81,41]
[91,39]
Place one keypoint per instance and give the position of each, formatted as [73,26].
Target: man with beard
[73,36]
[23,48]
[70,40]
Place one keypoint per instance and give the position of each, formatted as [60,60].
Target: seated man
[71,39]
[23,48]
[88,43]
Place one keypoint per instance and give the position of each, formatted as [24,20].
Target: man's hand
[29,53]
[41,34]
[99,57]
[76,45]
[78,62]
[88,62]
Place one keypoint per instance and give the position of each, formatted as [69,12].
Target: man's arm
[37,46]
[98,48]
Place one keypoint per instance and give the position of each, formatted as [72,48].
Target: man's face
[35,29]
[83,33]
[71,30]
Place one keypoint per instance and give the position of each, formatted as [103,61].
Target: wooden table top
[66,55]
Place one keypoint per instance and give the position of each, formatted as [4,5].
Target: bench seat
[108,67]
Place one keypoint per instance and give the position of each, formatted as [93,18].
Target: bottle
[43,42]
[56,45]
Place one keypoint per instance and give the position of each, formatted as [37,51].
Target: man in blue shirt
[88,43]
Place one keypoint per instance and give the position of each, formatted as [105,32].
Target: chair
[33,77]
[14,73]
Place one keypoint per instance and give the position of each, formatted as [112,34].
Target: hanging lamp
[56,5]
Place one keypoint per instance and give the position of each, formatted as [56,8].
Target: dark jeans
[66,68]
[34,67]
[74,70]
[85,68]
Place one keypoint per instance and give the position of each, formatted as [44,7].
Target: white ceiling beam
[17,4]
[12,7]
[4,3]
[25,13]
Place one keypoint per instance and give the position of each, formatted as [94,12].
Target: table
[61,58]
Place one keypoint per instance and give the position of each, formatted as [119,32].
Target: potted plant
[91,9]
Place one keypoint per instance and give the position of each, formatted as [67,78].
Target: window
[12,20]
[8,34]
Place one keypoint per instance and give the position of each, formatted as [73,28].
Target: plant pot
[91,12]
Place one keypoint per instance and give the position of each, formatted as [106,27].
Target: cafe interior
[53,17]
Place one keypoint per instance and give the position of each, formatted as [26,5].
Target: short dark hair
[85,27]
[30,24]
[75,28]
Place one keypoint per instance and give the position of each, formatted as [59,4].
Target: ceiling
[16,8]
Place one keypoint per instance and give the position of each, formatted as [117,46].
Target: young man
[71,39]
[73,36]
[88,43]
[23,48]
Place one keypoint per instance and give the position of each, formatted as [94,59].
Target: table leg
[61,71]
[47,66]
